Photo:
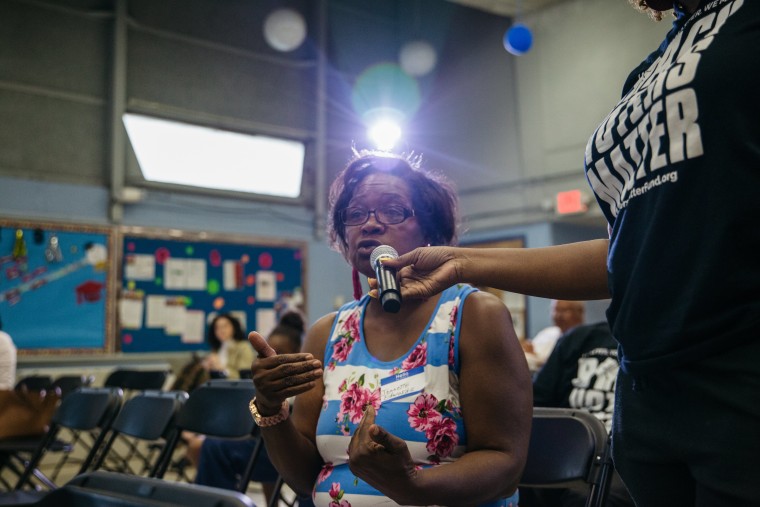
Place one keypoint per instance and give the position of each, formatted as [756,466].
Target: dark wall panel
[53,49]
[217,82]
[52,139]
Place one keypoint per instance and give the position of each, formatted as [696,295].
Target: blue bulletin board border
[172,282]
[56,286]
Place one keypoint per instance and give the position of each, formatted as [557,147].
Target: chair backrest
[218,408]
[87,409]
[109,489]
[35,383]
[568,446]
[137,380]
[67,384]
[148,416]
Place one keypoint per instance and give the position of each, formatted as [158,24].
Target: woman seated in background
[223,462]
[230,351]
[383,399]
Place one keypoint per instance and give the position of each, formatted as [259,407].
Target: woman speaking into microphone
[384,400]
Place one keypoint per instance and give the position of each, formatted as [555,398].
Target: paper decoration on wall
[185,274]
[89,291]
[140,267]
[266,285]
[131,309]
[233,275]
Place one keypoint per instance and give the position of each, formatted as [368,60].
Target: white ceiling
[508,8]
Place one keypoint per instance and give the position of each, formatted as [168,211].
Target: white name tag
[402,384]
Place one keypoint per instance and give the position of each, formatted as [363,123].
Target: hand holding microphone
[387,286]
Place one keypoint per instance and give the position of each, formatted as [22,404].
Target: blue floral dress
[416,398]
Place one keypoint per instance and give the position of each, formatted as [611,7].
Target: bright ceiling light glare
[385,134]
[285,29]
[184,154]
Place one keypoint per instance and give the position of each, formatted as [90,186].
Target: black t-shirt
[675,168]
[580,372]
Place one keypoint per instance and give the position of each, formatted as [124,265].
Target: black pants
[691,436]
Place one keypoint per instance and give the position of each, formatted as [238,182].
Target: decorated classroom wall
[67,288]
[171,288]
[55,284]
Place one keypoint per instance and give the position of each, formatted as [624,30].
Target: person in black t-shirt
[580,373]
[675,168]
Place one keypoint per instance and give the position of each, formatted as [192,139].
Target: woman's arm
[292,444]
[576,271]
[496,400]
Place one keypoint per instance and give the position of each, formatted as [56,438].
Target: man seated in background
[566,315]
[580,373]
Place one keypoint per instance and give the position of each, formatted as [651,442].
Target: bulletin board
[55,286]
[172,284]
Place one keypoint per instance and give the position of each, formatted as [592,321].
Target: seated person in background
[223,462]
[7,361]
[429,405]
[580,373]
[230,351]
[565,315]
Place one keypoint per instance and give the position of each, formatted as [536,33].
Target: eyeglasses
[387,215]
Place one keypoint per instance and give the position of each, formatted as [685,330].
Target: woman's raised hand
[278,377]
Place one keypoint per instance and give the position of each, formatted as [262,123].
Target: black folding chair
[109,489]
[569,447]
[132,381]
[86,411]
[35,383]
[146,418]
[218,408]
[279,497]
[67,384]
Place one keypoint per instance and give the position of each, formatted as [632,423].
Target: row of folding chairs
[131,381]
[97,417]
[566,446]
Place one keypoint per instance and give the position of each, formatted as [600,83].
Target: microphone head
[383,251]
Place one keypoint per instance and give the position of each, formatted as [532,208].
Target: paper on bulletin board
[233,275]
[131,313]
[140,267]
[155,311]
[266,286]
[185,274]
[175,315]
[195,324]
[266,320]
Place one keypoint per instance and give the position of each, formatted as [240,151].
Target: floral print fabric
[430,420]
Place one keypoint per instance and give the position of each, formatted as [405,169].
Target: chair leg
[246,477]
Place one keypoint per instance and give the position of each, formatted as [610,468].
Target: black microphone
[387,286]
